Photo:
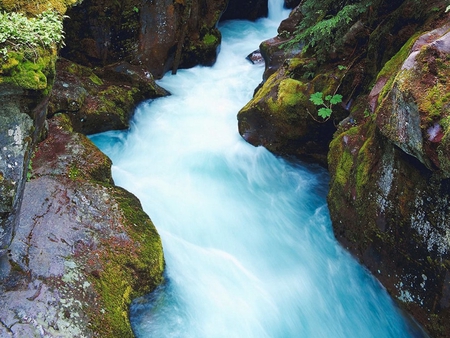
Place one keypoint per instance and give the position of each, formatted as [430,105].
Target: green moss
[34,74]
[341,160]
[290,92]
[95,79]
[364,164]
[74,172]
[33,7]
[132,268]
[392,66]
[210,40]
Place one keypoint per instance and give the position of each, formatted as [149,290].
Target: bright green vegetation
[131,268]
[19,32]
[325,104]
[28,49]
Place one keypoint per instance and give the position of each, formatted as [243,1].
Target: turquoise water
[247,237]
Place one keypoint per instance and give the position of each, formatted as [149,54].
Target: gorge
[248,242]
[75,249]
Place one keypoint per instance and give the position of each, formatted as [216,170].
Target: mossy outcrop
[347,68]
[390,183]
[74,249]
[100,99]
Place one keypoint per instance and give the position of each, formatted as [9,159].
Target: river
[247,238]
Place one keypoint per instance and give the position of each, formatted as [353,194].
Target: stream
[247,237]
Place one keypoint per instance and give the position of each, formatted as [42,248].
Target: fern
[324,26]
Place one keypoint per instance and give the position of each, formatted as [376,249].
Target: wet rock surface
[82,248]
[159,36]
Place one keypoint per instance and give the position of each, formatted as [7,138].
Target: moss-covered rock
[101,99]
[33,7]
[389,187]
[282,118]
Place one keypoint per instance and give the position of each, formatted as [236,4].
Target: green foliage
[325,24]
[19,32]
[326,103]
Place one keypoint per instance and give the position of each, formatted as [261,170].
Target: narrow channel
[247,238]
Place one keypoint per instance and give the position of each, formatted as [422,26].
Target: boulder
[282,118]
[82,250]
[103,99]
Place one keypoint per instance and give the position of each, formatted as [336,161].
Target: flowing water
[247,237]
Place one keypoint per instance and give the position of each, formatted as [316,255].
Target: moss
[131,269]
[29,73]
[210,40]
[341,159]
[290,92]
[95,79]
[33,7]
[392,66]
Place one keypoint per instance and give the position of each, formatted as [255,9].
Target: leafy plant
[325,104]
[18,32]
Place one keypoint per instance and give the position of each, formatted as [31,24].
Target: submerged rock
[83,248]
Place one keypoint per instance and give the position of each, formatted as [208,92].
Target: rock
[255,57]
[418,96]
[246,10]
[275,50]
[101,100]
[282,118]
[390,182]
[104,32]
[15,147]
[83,248]
[24,88]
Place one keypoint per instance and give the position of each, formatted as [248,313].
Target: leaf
[337,98]
[324,113]
[328,97]
[316,98]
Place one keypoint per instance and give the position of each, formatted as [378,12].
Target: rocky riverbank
[386,145]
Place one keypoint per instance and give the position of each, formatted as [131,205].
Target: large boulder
[390,180]
[83,248]
[282,118]
[101,99]
[159,35]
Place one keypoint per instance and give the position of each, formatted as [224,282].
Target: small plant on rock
[325,103]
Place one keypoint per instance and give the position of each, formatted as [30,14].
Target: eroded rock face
[15,148]
[390,184]
[159,36]
[83,248]
[22,124]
